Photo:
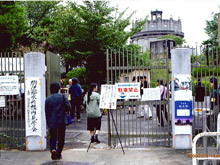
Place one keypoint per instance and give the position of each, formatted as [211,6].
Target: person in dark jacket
[212,118]
[55,107]
[214,86]
[76,98]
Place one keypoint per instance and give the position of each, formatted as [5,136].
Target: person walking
[62,83]
[55,107]
[144,109]
[133,106]
[76,96]
[212,117]
[68,93]
[162,107]
[91,100]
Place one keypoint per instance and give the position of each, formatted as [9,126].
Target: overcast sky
[193,14]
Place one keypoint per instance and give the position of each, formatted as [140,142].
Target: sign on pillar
[32,106]
[183,108]
[35,94]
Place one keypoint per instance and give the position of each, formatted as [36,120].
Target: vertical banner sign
[108,99]
[9,85]
[33,108]
[128,91]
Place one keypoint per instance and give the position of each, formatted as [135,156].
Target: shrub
[80,74]
[202,72]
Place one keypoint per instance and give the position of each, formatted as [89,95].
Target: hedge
[202,72]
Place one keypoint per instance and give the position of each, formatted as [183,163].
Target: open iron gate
[205,66]
[12,113]
[122,66]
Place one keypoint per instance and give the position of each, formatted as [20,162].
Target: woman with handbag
[91,100]
[55,107]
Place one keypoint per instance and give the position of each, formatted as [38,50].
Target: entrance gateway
[128,66]
[133,131]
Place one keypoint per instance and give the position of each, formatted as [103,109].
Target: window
[152,27]
[176,28]
[165,27]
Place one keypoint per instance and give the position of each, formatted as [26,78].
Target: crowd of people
[68,99]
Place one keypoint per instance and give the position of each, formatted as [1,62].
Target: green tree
[177,39]
[40,23]
[211,30]
[87,30]
[12,23]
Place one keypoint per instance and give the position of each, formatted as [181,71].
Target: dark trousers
[57,134]
[161,108]
[76,106]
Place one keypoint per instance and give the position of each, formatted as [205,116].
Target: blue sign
[183,113]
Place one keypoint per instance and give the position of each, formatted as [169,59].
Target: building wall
[128,77]
[155,28]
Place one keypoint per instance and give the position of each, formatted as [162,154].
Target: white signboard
[186,129]
[32,106]
[2,101]
[128,90]
[183,112]
[8,85]
[108,99]
[151,94]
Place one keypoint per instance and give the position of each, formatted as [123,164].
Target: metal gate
[12,114]
[205,66]
[123,65]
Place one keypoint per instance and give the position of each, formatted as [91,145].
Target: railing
[197,157]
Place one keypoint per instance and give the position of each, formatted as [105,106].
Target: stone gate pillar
[181,98]
[35,94]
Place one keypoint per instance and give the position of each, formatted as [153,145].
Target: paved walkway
[152,156]
[77,141]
